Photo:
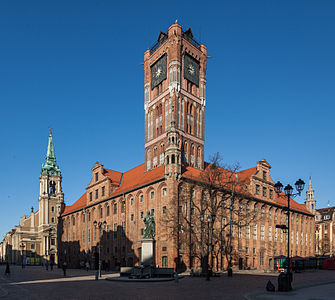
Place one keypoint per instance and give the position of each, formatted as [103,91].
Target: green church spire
[50,166]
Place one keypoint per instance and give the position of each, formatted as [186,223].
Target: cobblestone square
[37,283]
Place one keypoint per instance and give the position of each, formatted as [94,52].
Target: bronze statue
[149,229]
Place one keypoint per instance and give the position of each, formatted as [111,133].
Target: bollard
[230,272]
[176,277]
[96,275]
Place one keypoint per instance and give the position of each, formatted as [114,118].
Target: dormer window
[103,191]
[264,175]
[271,194]
[257,189]
[96,176]
[90,196]
[96,194]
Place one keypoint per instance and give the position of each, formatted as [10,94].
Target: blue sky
[75,66]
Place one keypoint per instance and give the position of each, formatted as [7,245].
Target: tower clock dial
[158,71]
[191,69]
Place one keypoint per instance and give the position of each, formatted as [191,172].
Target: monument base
[147,253]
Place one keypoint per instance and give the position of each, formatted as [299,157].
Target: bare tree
[211,205]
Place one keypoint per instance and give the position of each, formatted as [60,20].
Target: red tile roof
[131,179]
[137,177]
[245,176]
[114,176]
[80,203]
[282,200]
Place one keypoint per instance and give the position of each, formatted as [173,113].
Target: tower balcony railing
[156,45]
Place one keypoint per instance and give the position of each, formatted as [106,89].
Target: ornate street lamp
[299,185]
[100,225]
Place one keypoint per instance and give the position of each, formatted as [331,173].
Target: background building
[34,240]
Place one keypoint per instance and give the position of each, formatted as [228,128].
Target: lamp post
[22,246]
[299,185]
[99,226]
[209,248]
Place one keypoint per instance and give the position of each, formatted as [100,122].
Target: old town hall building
[174,107]
[193,202]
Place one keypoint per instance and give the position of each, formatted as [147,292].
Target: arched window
[52,188]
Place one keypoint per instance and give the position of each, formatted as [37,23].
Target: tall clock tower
[174,100]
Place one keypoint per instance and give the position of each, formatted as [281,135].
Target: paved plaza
[37,283]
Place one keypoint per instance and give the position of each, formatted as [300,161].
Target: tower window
[90,196]
[103,191]
[173,159]
[52,188]
[52,209]
[52,220]
[96,176]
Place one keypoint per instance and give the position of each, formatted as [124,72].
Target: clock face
[158,71]
[191,69]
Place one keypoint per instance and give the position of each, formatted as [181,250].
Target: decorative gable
[261,183]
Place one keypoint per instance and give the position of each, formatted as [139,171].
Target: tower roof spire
[310,183]
[50,166]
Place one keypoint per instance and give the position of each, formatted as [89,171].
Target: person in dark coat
[7,270]
[64,268]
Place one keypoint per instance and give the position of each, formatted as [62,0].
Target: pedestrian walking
[7,270]
[47,265]
[87,265]
[51,265]
[64,268]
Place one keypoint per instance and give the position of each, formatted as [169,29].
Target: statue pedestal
[147,254]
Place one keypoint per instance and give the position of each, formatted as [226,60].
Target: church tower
[174,100]
[310,200]
[51,201]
